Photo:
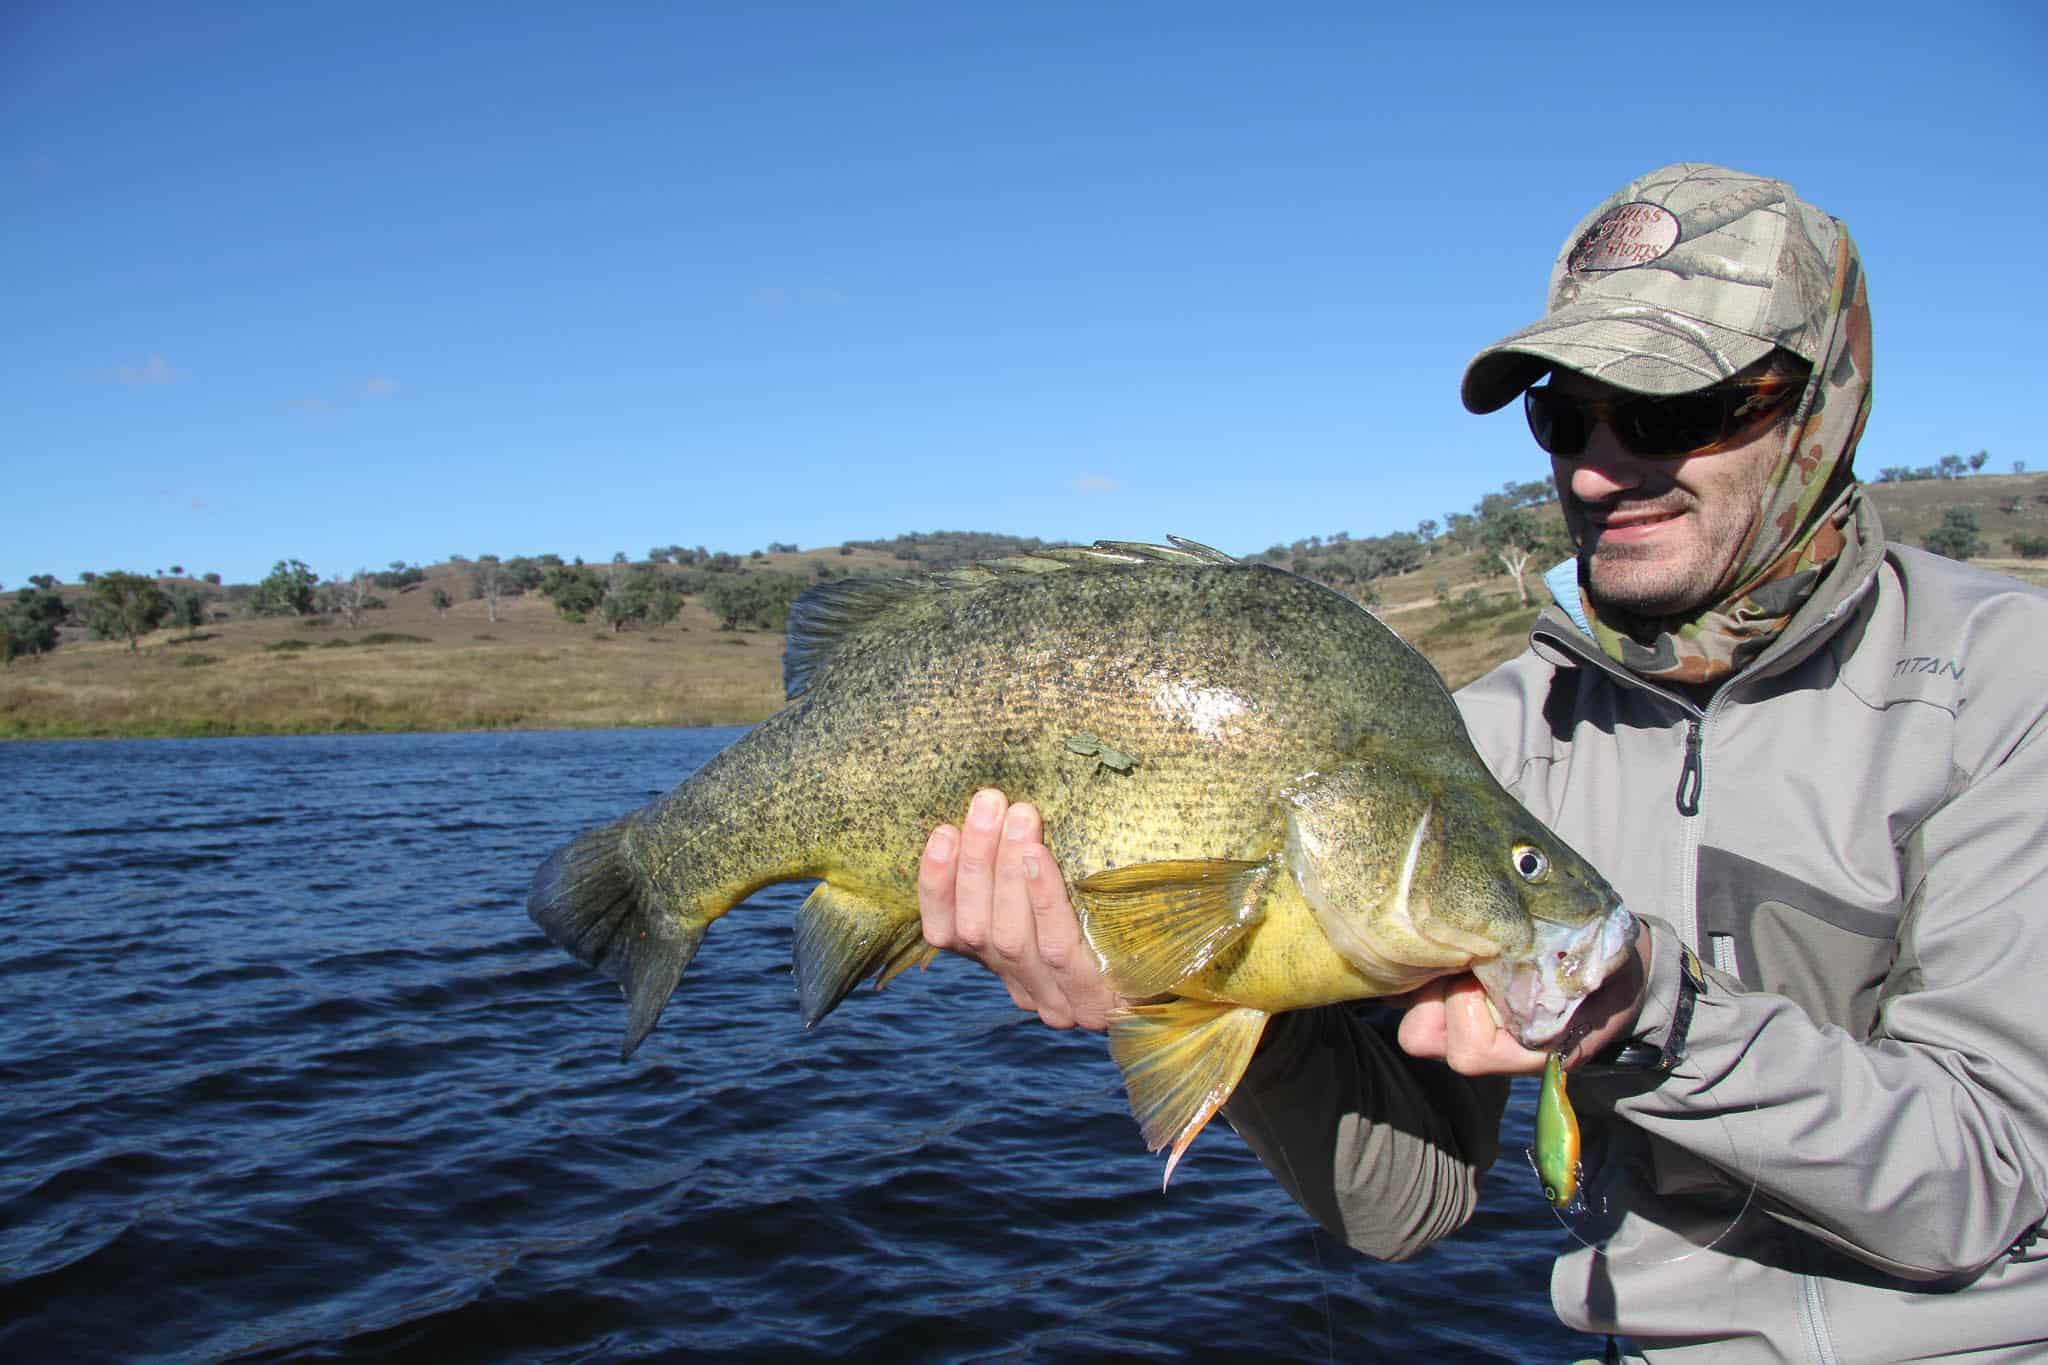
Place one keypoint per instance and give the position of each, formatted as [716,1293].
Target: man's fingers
[990,890]
[1450,1020]
[974,879]
[935,886]
[1422,1031]
[1012,933]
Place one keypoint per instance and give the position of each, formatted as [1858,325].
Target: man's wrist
[1658,1043]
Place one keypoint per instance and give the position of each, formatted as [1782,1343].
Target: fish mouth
[1536,994]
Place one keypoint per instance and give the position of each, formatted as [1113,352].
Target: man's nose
[1605,468]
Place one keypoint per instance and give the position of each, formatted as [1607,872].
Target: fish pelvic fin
[1181,1059]
[1156,924]
[842,937]
[591,900]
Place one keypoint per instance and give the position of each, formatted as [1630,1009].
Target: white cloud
[308,405]
[1095,483]
[380,387]
[154,370]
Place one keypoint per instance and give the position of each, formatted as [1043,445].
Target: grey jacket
[1851,1161]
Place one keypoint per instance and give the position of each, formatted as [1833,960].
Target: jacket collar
[1564,635]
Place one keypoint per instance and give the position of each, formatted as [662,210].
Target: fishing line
[1587,1209]
[1315,1243]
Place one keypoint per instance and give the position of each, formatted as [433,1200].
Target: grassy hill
[408,666]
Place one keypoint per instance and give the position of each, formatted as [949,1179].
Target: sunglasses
[1683,424]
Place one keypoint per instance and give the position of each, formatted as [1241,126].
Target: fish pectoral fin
[1181,1059]
[1156,924]
[840,938]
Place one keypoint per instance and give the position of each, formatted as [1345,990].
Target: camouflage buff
[1679,280]
[1810,498]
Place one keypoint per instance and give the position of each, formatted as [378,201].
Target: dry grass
[528,670]
[532,670]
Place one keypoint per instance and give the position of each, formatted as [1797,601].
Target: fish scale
[1294,815]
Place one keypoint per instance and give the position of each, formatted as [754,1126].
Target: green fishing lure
[1557,1137]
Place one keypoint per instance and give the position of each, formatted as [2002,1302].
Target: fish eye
[1531,864]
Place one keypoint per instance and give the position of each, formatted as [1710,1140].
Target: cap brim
[1632,346]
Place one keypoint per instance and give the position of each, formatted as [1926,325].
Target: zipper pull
[1690,776]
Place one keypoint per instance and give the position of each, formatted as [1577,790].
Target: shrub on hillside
[29,624]
[288,590]
[757,601]
[1957,537]
[124,606]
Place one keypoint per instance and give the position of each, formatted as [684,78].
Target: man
[1814,764]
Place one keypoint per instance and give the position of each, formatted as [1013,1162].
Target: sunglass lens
[1672,426]
[1555,421]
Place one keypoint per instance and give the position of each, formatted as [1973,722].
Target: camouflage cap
[1677,281]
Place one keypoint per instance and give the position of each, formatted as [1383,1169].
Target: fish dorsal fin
[1156,924]
[827,616]
[1181,1059]
[1177,549]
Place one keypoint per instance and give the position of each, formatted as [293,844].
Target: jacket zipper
[1691,774]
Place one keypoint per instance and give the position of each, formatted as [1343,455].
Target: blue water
[286,1074]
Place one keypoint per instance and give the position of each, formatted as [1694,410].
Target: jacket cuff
[1657,1041]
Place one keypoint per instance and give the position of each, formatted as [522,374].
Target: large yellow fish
[1261,797]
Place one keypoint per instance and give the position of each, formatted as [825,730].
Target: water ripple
[288,1076]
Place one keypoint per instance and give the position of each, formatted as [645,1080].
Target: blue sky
[361,284]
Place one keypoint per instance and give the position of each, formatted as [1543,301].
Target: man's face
[1660,536]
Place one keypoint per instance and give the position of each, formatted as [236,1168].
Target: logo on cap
[1631,235]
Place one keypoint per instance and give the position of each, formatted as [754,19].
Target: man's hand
[1450,1020]
[990,890]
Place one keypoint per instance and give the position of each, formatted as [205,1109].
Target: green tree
[1957,536]
[122,605]
[29,624]
[758,601]
[575,589]
[288,591]
[188,608]
[644,597]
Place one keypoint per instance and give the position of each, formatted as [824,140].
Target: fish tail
[592,900]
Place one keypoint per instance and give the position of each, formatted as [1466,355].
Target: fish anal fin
[1181,1059]
[918,955]
[842,937]
[1156,924]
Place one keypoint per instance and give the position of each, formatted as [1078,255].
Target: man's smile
[1629,522]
